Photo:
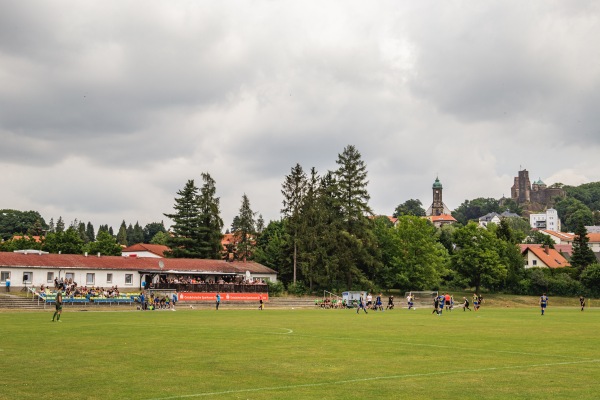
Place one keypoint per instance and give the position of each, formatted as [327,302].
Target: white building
[548,220]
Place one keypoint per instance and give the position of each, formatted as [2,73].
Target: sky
[108,108]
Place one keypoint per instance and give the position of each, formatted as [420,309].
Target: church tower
[437,207]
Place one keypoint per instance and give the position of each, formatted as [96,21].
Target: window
[534,263]
[4,275]
[89,279]
[50,277]
[108,278]
[129,279]
[27,277]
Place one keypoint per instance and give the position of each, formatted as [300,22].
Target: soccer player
[543,302]
[361,304]
[475,302]
[466,304]
[436,305]
[582,302]
[218,300]
[58,305]
[390,305]
[447,300]
[174,300]
[369,300]
[260,302]
[378,304]
[410,301]
[441,303]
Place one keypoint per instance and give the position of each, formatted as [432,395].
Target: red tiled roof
[157,249]
[560,235]
[441,218]
[38,239]
[76,261]
[550,257]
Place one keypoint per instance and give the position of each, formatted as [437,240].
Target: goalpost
[420,298]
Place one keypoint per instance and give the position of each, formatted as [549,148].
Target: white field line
[375,378]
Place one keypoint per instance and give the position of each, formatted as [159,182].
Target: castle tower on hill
[533,197]
[437,207]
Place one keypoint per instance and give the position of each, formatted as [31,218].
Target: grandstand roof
[75,261]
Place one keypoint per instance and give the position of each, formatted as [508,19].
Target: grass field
[496,353]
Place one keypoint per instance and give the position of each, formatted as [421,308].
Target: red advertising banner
[196,296]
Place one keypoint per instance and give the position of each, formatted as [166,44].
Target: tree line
[328,237]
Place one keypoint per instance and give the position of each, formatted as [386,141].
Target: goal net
[420,298]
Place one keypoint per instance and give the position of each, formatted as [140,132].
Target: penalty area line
[375,378]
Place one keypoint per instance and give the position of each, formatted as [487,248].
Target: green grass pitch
[496,353]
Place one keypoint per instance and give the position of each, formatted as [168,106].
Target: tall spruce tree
[311,242]
[582,254]
[122,234]
[358,243]
[245,231]
[294,190]
[89,230]
[210,222]
[184,242]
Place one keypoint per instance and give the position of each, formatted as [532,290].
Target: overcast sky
[107,108]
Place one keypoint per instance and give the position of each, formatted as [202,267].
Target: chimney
[546,249]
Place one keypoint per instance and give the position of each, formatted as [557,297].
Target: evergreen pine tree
[358,243]
[245,234]
[294,190]
[582,254]
[185,238]
[122,235]
[82,232]
[89,229]
[210,223]
[60,225]
[137,234]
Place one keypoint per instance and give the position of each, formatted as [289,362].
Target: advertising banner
[196,296]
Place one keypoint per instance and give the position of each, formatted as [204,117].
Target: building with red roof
[540,256]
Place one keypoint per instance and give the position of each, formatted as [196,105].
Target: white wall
[39,276]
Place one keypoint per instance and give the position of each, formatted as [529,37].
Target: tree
[89,230]
[294,190]
[572,212]
[19,222]
[105,244]
[184,242]
[511,206]
[65,242]
[136,235]
[476,258]
[60,225]
[151,229]
[537,237]
[122,235]
[582,254]
[210,224]
[356,241]
[412,256]
[160,238]
[474,209]
[245,231]
[82,232]
[272,250]
[410,207]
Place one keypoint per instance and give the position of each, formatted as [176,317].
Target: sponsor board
[197,296]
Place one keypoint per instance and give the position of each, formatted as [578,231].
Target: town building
[547,220]
[539,256]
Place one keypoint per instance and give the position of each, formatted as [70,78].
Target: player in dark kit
[582,302]
[59,305]
[543,302]
[436,304]
[466,304]
[390,305]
